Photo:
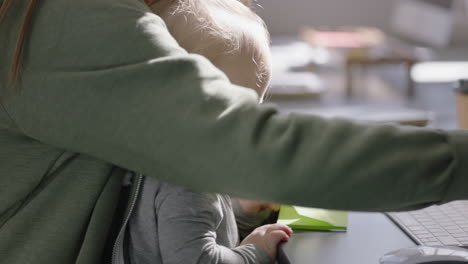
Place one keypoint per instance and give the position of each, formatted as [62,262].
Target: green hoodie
[104,83]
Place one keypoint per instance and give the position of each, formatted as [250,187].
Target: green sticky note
[305,218]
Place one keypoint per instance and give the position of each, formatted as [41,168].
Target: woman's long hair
[15,64]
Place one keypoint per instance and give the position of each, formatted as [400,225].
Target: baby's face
[248,64]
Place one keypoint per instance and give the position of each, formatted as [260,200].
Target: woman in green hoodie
[103,85]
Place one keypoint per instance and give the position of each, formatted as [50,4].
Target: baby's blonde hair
[227,32]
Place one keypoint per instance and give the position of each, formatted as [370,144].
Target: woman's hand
[251,206]
[268,237]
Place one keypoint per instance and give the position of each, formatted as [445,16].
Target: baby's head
[226,32]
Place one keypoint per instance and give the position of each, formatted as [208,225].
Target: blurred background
[372,60]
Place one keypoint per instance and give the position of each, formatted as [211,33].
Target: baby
[171,224]
[226,32]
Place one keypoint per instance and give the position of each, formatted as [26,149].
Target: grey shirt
[171,224]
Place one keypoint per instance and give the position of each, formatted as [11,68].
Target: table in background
[367,62]
[369,236]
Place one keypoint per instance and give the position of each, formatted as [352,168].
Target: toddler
[226,32]
[171,224]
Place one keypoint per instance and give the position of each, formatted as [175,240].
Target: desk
[369,236]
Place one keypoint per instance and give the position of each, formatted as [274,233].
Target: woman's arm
[113,84]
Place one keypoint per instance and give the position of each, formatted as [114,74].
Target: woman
[98,80]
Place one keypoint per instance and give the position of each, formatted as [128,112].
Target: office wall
[284,17]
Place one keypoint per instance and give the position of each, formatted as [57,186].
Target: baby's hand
[268,237]
[251,206]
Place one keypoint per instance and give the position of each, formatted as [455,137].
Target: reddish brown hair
[15,68]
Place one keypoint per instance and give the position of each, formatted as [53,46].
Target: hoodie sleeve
[112,83]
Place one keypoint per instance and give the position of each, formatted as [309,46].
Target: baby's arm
[188,223]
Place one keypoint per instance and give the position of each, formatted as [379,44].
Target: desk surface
[369,236]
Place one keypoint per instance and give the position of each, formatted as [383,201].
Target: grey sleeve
[247,222]
[187,224]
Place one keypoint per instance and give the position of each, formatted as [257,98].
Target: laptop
[437,225]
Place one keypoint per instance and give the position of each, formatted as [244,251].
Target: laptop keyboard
[436,225]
